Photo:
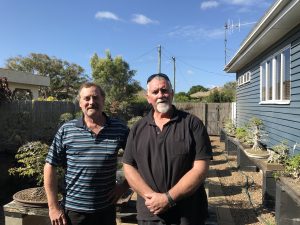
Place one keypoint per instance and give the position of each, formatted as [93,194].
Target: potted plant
[229,127]
[31,160]
[258,150]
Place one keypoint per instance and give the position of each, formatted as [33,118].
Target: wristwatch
[170,200]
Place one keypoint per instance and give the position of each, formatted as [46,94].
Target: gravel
[245,203]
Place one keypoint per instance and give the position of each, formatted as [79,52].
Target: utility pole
[159,59]
[174,70]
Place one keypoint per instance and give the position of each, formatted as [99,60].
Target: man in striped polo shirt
[87,149]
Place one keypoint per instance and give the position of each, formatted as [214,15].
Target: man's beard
[163,107]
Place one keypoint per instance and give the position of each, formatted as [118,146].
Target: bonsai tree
[279,153]
[256,128]
[31,158]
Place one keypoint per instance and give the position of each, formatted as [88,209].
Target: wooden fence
[213,115]
[27,121]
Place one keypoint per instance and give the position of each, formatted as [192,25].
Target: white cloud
[106,15]
[209,4]
[141,19]
[190,72]
[193,33]
[248,2]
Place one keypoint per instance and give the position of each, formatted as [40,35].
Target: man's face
[91,102]
[160,95]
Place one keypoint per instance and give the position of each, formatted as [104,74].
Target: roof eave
[281,18]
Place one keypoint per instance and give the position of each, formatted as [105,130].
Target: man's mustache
[161,101]
[93,107]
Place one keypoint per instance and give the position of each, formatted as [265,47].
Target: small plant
[31,157]
[244,134]
[241,133]
[230,127]
[133,120]
[279,153]
[78,115]
[65,117]
[292,167]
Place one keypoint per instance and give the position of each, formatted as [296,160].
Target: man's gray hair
[88,85]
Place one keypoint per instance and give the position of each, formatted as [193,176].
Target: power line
[195,67]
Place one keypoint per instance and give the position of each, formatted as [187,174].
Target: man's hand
[157,203]
[57,217]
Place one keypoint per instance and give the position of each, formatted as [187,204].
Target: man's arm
[135,181]
[50,183]
[187,185]
[190,182]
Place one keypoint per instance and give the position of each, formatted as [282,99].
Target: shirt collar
[80,123]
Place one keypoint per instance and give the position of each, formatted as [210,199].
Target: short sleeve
[201,138]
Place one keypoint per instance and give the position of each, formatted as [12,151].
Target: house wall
[281,122]
[33,88]
[24,80]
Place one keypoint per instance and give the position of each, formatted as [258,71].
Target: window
[275,78]
[22,94]
[245,78]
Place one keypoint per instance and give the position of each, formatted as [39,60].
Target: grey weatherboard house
[267,67]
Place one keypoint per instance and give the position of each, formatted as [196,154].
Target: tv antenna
[230,26]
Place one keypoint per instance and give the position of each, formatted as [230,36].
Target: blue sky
[192,31]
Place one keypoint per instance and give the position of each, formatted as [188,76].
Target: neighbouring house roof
[202,94]
[24,77]
[281,18]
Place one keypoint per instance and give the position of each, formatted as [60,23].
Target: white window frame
[245,78]
[272,60]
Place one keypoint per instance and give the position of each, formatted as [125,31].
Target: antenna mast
[229,25]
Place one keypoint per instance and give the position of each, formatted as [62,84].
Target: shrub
[133,120]
[65,117]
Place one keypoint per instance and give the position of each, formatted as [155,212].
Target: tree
[229,90]
[197,88]
[226,94]
[116,79]
[182,97]
[65,77]
[5,93]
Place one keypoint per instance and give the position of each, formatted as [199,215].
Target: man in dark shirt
[166,161]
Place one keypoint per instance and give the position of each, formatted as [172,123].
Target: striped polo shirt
[90,162]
